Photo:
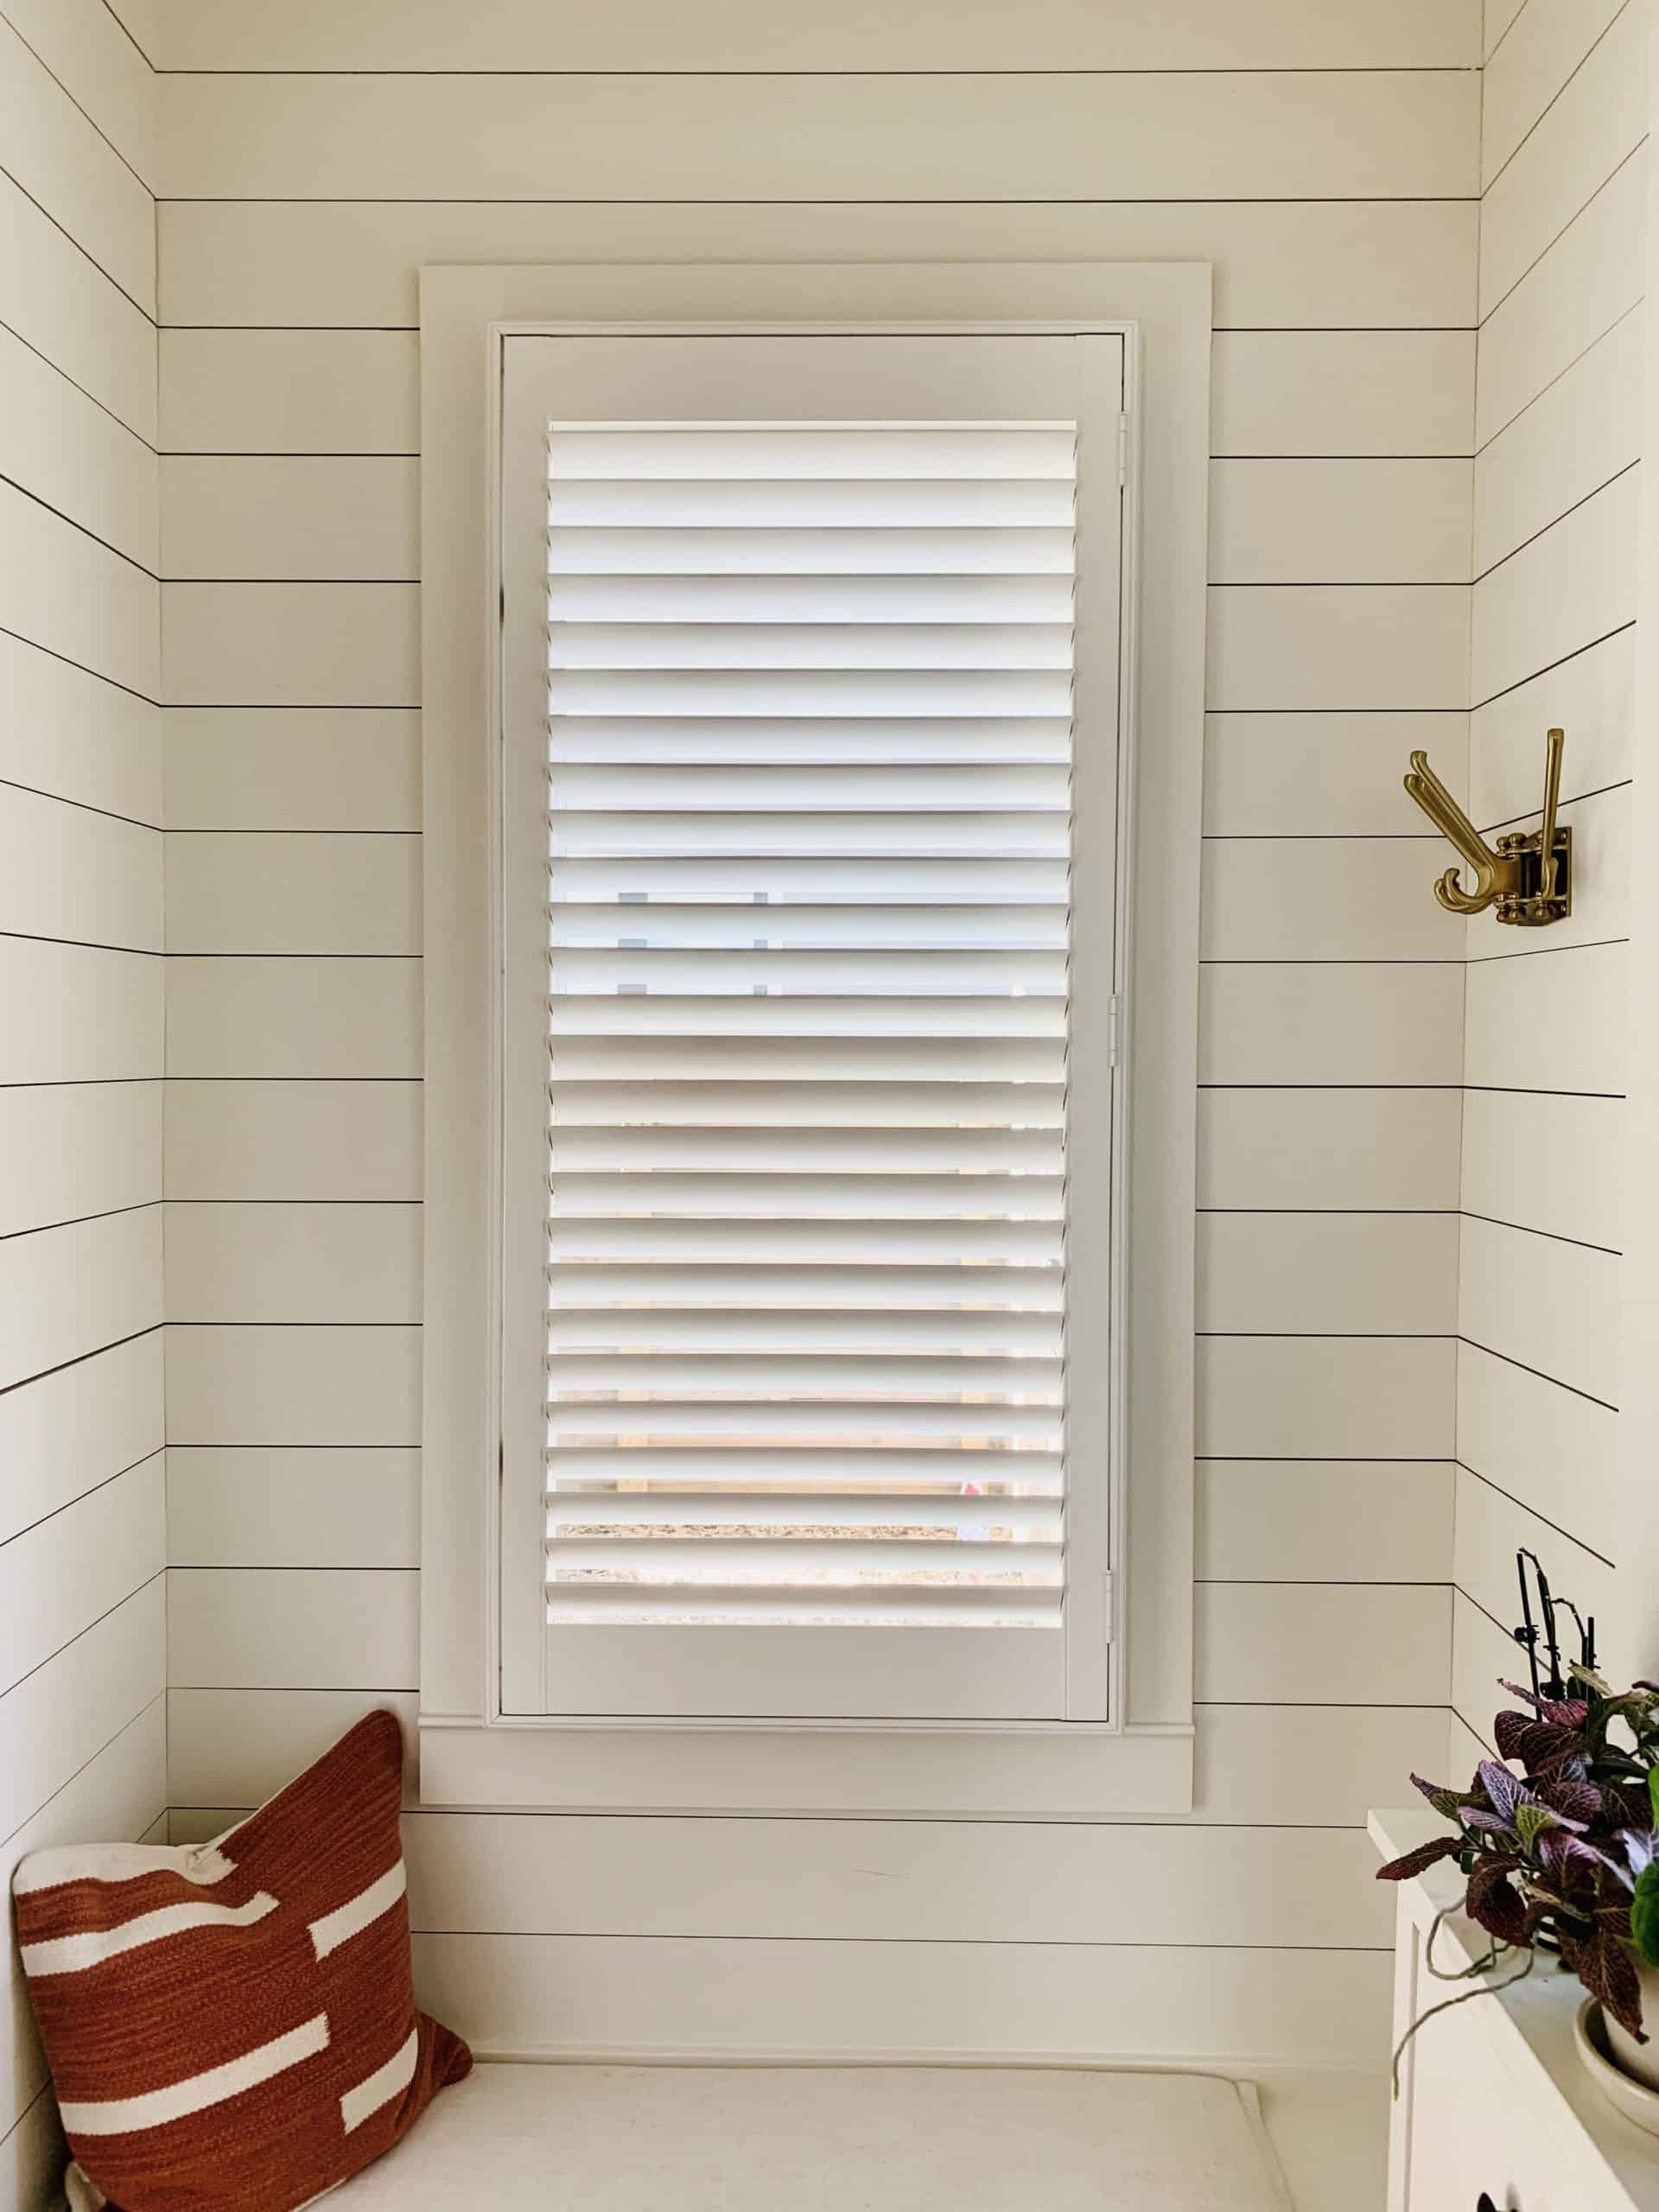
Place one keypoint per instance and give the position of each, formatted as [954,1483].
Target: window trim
[470,1753]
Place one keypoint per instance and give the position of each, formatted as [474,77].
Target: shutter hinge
[1115,1030]
[1122,449]
[1108,1627]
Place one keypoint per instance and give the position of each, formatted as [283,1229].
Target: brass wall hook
[1528,876]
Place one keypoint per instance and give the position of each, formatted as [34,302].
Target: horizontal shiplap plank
[600,1996]
[1589,697]
[64,1573]
[1575,437]
[1335,1274]
[283,1506]
[66,592]
[294,517]
[890,1881]
[74,735]
[311,892]
[1324,899]
[66,1434]
[1572,1335]
[69,451]
[299,1385]
[76,1014]
[1548,43]
[1325,1397]
[1491,1528]
[1345,1644]
[1509,1136]
[279,1261]
[61,1715]
[1291,1022]
[1574,584]
[1601,875]
[1465,1749]
[300,1628]
[745,34]
[298,645]
[66,872]
[69,168]
[65,307]
[66,1292]
[1484,1658]
[1589,277]
[1324,1520]
[1311,1148]
[69,1151]
[1301,775]
[118,1795]
[290,392]
[1192,135]
[276,1140]
[1520,1431]
[293,768]
[293,1017]
[1312,264]
[1343,392]
[1589,128]
[86,49]
[1335,648]
[1285,1765]
[1349,522]
[1576,999]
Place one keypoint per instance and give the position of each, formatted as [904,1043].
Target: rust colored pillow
[235,2025]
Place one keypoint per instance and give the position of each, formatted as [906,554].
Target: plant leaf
[1605,1967]
[1417,1862]
[1502,1791]
[1531,1821]
[1498,1907]
[1645,1914]
[1653,1792]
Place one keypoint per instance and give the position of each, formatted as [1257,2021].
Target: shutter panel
[809,694]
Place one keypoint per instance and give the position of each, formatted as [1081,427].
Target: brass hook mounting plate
[1528,876]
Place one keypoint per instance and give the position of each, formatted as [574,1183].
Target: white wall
[1323,154]
[1558,410]
[82,1535]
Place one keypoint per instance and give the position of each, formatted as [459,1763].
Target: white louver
[809,898]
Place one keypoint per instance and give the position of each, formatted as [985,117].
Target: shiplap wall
[1323,154]
[1558,411]
[82,1510]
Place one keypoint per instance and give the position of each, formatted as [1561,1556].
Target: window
[813,757]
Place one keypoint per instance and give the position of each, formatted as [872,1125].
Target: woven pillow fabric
[235,2025]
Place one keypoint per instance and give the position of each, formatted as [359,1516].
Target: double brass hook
[1528,876]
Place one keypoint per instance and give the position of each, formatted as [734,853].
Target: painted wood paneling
[77,1015]
[1574,438]
[284,1139]
[67,872]
[301,645]
[67,1291]
[287,1262]
[290,392]
[1325,1397]
[1547,45]
[1189,135]
[293,768]
[1307,264]
[1601,864]
[1328,1274]
[69,1432]
[1324,898]
[66,592]
[59,1577]
[1575,999]
[597,1995]
[1322,648]
[71,734]
[86,49]
[1323,392]
[1324,1521]
[1491,1528]
[1483,1659]
[291,519]
[295,1017]
[296,1628]
[1352,522]
[1574,1335]
[1311,775]
[1389,1150]
[1351,1643]
[1590,697]
[1519,1430]
[70,1151]
[1508,1138]
[74,455]
[246,1744]
[1574,584]
[744,34]
[297,1385]
[65,307]
[287,1507]
[316,892]
[1294,1022]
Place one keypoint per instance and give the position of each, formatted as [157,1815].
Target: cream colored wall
[82,1513]
[1558,411]
[1323,154]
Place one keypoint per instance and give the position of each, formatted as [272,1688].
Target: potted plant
[1563,1858]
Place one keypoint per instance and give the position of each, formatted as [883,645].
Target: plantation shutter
[809,865]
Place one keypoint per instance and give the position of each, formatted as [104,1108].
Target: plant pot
[1636,2100]
[1638,2060]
